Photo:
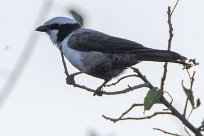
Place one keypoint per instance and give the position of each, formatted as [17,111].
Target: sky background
[42,104]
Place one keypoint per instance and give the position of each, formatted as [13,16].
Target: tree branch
[138,118]
[63,62]
[165,132]
[121,79]
[174,111]
[174,7]
[192,79]
[169,46]
[126,112]
[115,92]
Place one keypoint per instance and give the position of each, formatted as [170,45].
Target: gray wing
[90,40]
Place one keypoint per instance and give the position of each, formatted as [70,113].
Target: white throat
[53,35]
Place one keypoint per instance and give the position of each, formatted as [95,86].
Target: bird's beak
[42,29]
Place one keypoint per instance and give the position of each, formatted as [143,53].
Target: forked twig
[137,118]
[125,113]
[120,80]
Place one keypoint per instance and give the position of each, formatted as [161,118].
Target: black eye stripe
[65,30]
[54,26]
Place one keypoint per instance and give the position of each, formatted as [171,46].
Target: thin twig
[138,118]
[120,80]
[170,28]
[126,112]
[129,89]
[186,104]
[164,76]
[190,113]
[169,48]
[185,108]
[144,79]
[165,132]
[169,96]
[64,63]
[174,7]
[192,79]
[187,131]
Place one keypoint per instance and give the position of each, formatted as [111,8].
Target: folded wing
[90,40]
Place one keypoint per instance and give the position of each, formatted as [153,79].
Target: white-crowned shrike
[99,54]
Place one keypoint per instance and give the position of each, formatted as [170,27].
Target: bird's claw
[70,80]
[98,92]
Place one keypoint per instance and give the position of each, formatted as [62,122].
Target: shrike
[99,54]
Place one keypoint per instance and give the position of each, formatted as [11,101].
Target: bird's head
[59,28]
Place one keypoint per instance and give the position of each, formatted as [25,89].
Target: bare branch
[126,112]
[169,46]
[192,79]
[169,96]
[129,89]
[121,79]
[176,113]
[170,28]
[165,132]
[187,131]
[185,108]
[63,62]
[142,77]
[138,118]
[164,76]
[174,7]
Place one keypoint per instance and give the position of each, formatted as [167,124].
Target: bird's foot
[70,79]
[98,92]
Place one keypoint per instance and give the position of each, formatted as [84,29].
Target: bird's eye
[54,26]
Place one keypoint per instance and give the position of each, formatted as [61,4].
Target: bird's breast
[82,60]
[75,57]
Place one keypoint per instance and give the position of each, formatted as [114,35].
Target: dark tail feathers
[161,56]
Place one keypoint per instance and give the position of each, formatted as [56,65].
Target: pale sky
[41,103]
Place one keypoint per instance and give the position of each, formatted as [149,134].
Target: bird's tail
[161,56]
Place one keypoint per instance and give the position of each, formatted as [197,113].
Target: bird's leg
[99,91]
[70,78]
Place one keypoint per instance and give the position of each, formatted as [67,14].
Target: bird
[98,54]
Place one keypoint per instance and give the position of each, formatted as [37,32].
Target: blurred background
[34,98]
